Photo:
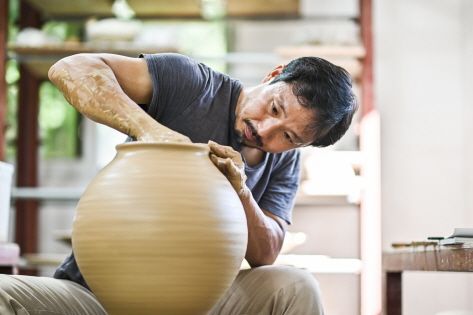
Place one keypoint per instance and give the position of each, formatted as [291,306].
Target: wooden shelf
[38,59]
[303,200]
[318,264]
[65,49]
[347,57]
[42,260]
[163,8]
[333,51]
[48,193]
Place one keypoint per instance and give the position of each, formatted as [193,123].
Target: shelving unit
[165,9]
[39,59]
[357,59]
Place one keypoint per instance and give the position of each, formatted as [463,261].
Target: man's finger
[222,151]
[219,163]
[232,169]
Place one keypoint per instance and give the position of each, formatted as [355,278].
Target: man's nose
[267,128]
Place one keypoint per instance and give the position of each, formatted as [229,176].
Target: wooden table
[458,258]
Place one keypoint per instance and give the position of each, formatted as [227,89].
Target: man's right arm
[107,88]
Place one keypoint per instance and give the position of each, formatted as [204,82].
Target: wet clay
[159,231]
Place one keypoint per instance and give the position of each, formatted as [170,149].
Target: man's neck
[252,156]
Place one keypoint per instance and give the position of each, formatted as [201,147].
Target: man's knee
[295,286]
[280,277]
[25,295]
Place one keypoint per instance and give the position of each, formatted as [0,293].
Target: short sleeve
[278,198]
[177,81]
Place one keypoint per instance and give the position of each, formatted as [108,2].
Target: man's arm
[106,88]
[265,230]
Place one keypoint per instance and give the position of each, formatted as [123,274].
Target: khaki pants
[258,291]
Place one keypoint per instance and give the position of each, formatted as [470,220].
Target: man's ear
[276,71]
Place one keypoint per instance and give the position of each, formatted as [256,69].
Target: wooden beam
[26,231]
[367,95]
[393,293]
[29,16]
[3,83]
[27,160]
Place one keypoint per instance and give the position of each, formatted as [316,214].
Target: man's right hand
[100,87]
[163,134]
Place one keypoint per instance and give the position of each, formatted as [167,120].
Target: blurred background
[402,172]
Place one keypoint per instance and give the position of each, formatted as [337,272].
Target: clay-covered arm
[106,88]
[265,231]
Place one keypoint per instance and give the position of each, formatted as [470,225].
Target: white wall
[420,67]
[467,20]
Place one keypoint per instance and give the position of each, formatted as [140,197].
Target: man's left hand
[231,164]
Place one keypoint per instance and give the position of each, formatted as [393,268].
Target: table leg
[393,293]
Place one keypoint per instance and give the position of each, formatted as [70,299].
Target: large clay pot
[159,231]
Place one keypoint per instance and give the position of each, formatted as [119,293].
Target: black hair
[327,90]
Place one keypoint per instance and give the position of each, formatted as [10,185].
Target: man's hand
[162,134]
[230,163]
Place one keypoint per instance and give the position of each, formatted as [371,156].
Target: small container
[6,174]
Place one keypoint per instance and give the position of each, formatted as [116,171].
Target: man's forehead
[283,88]
[284,92]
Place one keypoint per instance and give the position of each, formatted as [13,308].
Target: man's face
[270,118]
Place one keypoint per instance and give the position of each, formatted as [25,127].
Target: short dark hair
[325,88]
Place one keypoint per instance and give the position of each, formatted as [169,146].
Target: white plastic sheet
[6,174]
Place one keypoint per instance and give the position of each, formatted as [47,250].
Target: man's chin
[252,145]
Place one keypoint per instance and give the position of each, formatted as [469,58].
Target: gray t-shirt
[191,98]
[199,102]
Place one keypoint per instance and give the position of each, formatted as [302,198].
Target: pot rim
[175,145]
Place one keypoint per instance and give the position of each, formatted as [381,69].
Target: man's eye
[288,137]
[274,109]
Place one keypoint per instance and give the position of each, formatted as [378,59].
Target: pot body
[159,231]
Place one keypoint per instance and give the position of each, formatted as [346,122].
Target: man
[252,134]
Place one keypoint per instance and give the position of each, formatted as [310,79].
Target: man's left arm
[266,231]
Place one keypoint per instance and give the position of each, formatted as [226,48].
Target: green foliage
[14,10]
[63,30]
[205,38]
[12,77]
[58,122]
